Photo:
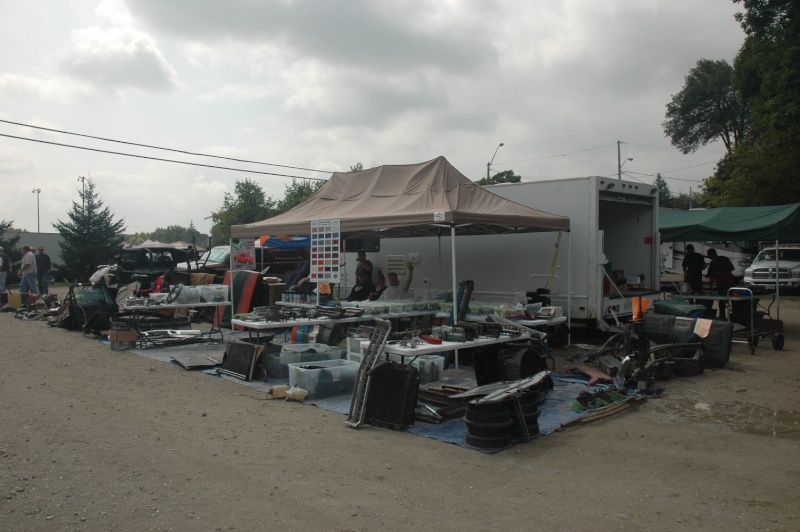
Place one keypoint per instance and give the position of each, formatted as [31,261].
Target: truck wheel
[777,342]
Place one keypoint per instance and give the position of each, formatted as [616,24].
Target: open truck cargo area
[610,255]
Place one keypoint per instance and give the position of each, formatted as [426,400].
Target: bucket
[683,287]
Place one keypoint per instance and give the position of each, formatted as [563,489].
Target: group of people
[33,271]
[719,273]
[367,290]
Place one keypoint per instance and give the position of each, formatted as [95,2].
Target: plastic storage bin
[325,378]
[278,364]
[214,293]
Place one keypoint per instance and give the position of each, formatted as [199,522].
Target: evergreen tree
[664,193]
[91,236]
[9,245]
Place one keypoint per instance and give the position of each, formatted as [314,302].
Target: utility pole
[620,162]
[82,179]
[37,191]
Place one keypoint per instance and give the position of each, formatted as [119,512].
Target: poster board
[325,251]
[243,254]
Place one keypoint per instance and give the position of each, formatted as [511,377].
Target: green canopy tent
[778,223]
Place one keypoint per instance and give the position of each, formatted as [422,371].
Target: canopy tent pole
[569,289]
[233,272]
[455,292]
[777,281]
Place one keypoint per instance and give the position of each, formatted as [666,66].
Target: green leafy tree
[247,204]
[506,176]
[298,192]
[706,109]
[91,237]
[765,170]
[358,167]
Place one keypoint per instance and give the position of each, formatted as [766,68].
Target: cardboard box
[275,293]
[123,335]
[15,300]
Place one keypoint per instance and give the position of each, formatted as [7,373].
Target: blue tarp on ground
[555,410]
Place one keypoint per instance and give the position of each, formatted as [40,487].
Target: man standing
[27,272]
[43,268]
[363,265]
[693,266]
[5,269]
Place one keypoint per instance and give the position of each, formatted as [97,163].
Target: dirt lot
[94,439]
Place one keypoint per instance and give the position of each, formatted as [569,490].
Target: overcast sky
[326,84]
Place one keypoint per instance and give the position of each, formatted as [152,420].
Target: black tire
[497,444]
[778,341]
[485,431]
[490,413]
[533,430]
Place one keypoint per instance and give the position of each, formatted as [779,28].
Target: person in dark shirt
[43,268]
[380,286]
[720,274]
[693,266]
[362,289]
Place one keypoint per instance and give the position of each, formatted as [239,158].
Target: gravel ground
[94,439]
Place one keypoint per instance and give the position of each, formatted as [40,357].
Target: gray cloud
[117,59]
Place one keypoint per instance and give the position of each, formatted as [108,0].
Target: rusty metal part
[595,375]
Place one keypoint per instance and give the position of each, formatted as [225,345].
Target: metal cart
[746,310]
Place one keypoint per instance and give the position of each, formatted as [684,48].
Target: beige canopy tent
[391,201]
[401,200]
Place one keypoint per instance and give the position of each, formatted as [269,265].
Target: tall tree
[765,170]
[10,244]
[358,167]
[506,176]
[91,237]
[297,192]
[664,193]
[247,204]
[707,108]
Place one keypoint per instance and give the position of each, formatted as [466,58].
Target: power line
[556,156]
[161,148]
[160,159]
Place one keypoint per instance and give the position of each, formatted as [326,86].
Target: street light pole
[37,191]
[489,164]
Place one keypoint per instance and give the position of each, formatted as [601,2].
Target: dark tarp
[401,200]
[780,222]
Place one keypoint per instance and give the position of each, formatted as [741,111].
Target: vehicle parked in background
[140,264]
[214,260]
[741,255]
[276,261]
[769,266]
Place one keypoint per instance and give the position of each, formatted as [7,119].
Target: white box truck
[614,230]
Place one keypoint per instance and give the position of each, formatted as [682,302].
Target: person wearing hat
[27,271]
[43,268]
[5,269]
